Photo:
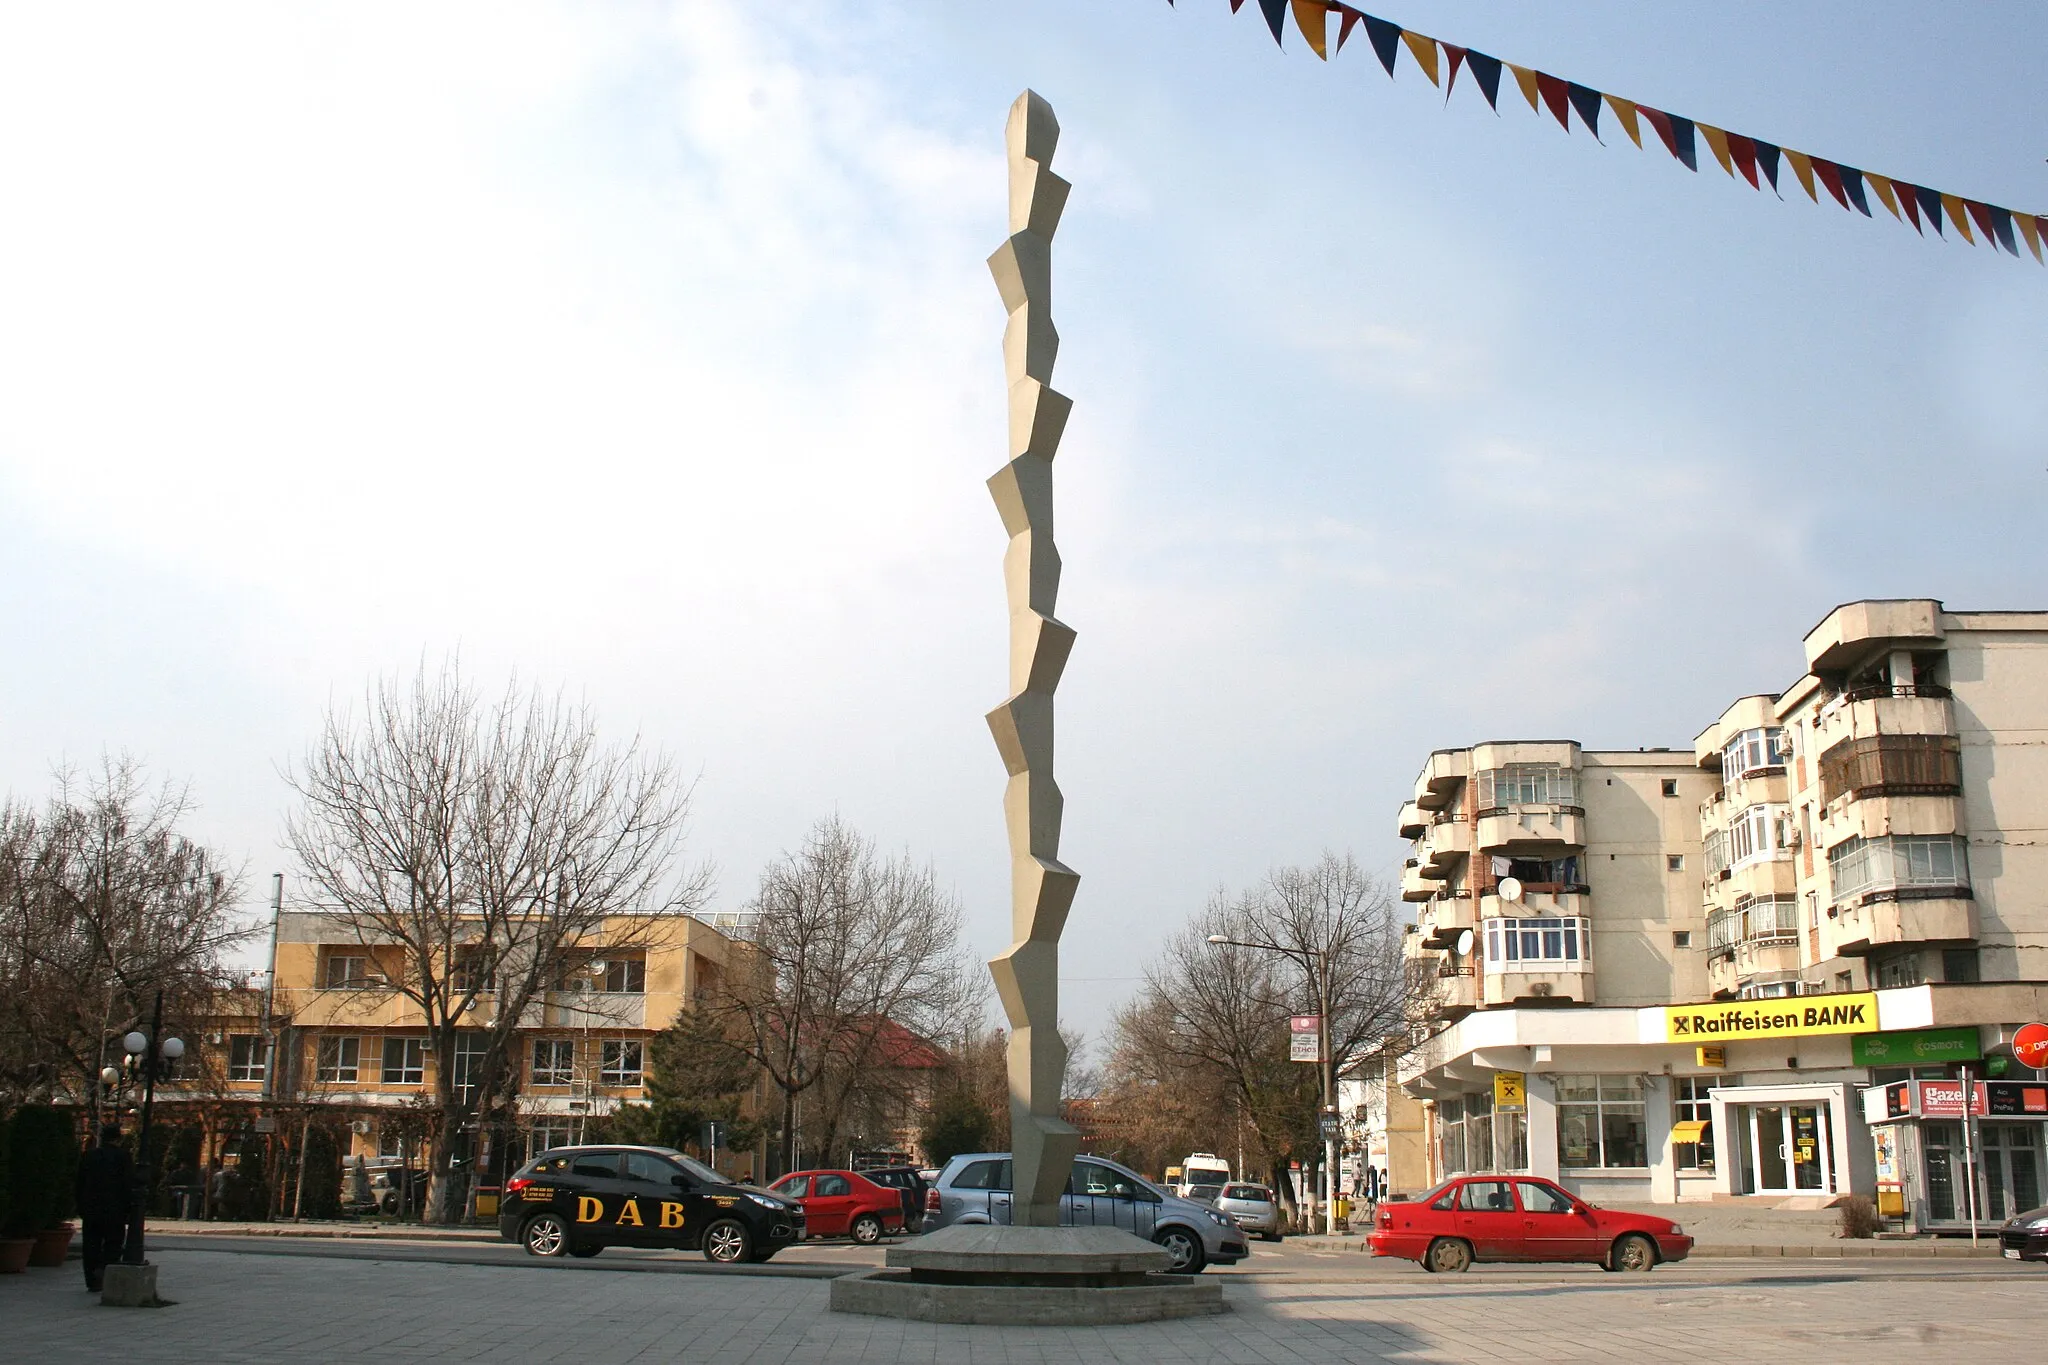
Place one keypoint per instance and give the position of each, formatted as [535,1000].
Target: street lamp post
[1317,965]
[150,1054]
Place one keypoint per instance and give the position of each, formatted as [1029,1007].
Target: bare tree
[851,949]
[484,850]
[103,902]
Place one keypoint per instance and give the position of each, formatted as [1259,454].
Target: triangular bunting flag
[1314,22]
[2032,232]
[1852,183]
[1980,214]
[1802,166]
[1681,133]
[2001,228]
[1425,53]
[1954,207]
[1457,56]
[1351,18]
[1276,17]
[1235,5]
[1526,78]
[1485,70]
[1556,97]
[1385,39]
[1883,186]
[1767,158]
[1830,176]
[1930,207]
[1625,110]
[1910,202]
[1586,100]
[1744,151]
[1717,143]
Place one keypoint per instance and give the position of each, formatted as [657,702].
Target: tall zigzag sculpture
[1042,1144]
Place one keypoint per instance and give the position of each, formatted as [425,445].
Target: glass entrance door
[2012,1168]
[1767,1141]
[1789,1151]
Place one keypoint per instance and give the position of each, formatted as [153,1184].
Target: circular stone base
[1025,1277]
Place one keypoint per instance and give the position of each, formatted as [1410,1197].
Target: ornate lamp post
[149,1062]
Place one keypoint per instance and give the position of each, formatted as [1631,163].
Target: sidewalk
[409,1232]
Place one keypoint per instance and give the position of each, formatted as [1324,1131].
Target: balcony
[1441,776]
[1530,829]
[1417,885]
[1454,991]
[1886,919]
[594,1009]
[1444,918]
[1538,898]
[1560,985]
[1448,842]
[1884,709]
[1414,822]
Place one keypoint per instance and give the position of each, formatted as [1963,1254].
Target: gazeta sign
[1799,1016]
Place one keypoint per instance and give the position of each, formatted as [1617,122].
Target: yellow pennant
[1717,139]
[2030,231]
[1314,22]
[1526,78]
[1883,186]
[1425,53]
[1802,166]
[1625,110]
[1958,217]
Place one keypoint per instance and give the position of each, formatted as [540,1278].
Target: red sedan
[1517,1218]
[843,1204]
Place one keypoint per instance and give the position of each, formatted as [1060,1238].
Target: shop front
[1953,1153]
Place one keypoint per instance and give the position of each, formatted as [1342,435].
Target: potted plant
[38,1137]
[57,1140]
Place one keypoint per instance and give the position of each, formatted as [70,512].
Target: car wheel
[1448,1255]
[1183,1250]
[727,1242]
[866,1229]
[584,1252]
[1634,1252]
[545,1234]
[1271,1236]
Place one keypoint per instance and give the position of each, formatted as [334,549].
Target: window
[621,976]
[1486,1196]
[545,1137]
[984,1175]
[405,1061]
[595,1165]
[470,1048]
[1537,1198]
[245,1057]
[793,1187]
[1892,862]
[1691,1103]
[1671,786]
[1757,832]
[554,1061]
[474,969]
[1674,862]
[1900,765]
[1715,851]
[621,1062]
[339,1059]
[1538,945]
[650,1169]
[832,1187]
[346,971]
[1959,964]
[1753,751]
[1527,784]
[1754,919]
[1600,1121]
[1903,970]
[1681,938]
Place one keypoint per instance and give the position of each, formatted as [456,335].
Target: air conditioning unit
[216,1038]
[360,1127]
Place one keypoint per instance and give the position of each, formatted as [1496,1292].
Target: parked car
[843,1204]
[1517,1218]
[576,1201]
[910,1184]
[2025,1238]
[976,1189]
[1251,1207]
[1203,1193]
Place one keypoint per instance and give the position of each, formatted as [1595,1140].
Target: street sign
[1305,1040]
[1508,1092]
[1333,1127]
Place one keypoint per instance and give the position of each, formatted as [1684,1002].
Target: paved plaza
[309,1304]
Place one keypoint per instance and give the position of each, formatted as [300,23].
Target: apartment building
[1764,965]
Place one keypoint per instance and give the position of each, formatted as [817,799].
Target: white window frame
[333,979]
[1528,784]
[1561,943]
[338,1060]
[560,1067]
[623,1062]
[1892,861]
[1753,751]
[250,1066]
[412,1062]
[1758,833]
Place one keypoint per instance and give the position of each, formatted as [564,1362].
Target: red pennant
[1457,60]
[1236,5]
[1831,177]
[1661,121]
[1557,97]
[1351,18]
[1981,215]
[1910,202]
[1744,151]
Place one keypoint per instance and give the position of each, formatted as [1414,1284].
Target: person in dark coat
[106,1193]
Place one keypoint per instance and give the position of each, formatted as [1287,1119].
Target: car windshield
[1434,1194]
[1253,1192]
[1204,1191]
[693,1168]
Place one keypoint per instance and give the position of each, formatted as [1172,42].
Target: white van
[1202,1168]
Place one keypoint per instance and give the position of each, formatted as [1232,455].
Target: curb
[1943,1250]
[396,1234]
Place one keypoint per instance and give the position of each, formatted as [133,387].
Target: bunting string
[1749,158]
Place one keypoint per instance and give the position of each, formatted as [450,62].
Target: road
[262,1299]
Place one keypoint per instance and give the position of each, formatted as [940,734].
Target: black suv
[577,1201]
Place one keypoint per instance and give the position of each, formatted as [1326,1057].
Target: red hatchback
[1517,1218]
[843,1204]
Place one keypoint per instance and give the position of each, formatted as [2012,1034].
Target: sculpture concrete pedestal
[1011,1276]
[129,1286]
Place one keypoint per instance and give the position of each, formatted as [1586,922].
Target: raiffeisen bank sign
[1797,1016]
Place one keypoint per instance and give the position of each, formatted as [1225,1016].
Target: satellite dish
[1510,888]
[1464,943]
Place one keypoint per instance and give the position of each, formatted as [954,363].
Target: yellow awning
[1688,1131]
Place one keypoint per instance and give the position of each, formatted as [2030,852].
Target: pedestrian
[217,1188]
[105,1195]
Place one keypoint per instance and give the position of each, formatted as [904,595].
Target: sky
[647,351]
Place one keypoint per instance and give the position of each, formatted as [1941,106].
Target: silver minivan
[976,1189]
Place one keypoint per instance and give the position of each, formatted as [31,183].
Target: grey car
[976,1189]
[1251,1207]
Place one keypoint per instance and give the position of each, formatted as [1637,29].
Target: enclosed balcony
[1858,930]
[1453,991]
[1883,709]
[1758,936]
[1537,958]
[1899,889]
